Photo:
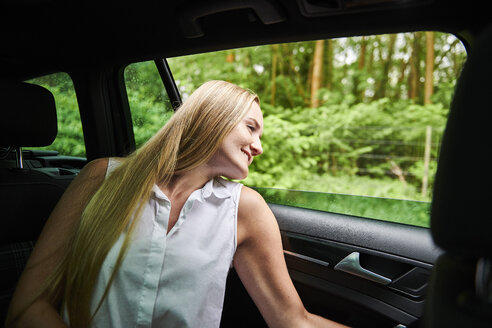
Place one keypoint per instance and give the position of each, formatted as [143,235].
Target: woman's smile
[248,156]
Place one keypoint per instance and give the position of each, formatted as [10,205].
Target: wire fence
[404,153]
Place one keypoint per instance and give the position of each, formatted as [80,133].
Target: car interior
[356,271]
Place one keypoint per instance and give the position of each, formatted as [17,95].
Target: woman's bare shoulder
[254,216]
[96,167]
[250,197]
[89,179]
[73,201]
[94,171]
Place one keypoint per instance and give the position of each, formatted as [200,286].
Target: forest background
[355,116]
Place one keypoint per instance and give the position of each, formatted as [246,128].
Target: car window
[149,103]
[70,139]
[352,125]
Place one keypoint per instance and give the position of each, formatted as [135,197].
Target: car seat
[460,290]
[27,195]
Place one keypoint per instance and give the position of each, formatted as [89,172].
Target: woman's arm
[49,249]
[259,262]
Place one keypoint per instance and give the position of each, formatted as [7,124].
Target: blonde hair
[188,140]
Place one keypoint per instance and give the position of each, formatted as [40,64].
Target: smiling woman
[165,208]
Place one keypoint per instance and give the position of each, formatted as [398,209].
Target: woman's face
[239,147]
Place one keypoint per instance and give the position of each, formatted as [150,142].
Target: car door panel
[315,242]
[387,265]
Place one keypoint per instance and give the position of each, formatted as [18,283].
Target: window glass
[70,139]
[149,104]
[352,125]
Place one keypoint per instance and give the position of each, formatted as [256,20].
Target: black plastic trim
[266,10]
[405,241]
[374,304]
[168,81]
[400,295]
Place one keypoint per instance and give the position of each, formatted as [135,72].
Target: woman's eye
[251,127]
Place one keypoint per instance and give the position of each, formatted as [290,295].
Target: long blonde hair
[188,140]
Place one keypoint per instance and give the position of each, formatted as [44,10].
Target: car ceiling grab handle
[351,264]
[267,11]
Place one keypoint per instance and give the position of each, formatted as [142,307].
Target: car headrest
[461,220]
[28,115]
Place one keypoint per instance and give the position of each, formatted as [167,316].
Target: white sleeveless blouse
[174,279]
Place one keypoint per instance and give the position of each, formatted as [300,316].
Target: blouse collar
[215,186]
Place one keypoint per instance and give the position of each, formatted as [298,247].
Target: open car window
[149,103]
[352,125]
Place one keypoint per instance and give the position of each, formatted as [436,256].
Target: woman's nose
[256,148]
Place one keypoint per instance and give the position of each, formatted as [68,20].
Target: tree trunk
[401,78]
[382,84]
[370,55]
[230,56]
[358,77]
[329,64]
[362,55]
[296,77]
[274,49]
[429,68]
[427,157]
[317,75]
[413,83]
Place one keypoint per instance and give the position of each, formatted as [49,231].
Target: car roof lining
[48,36]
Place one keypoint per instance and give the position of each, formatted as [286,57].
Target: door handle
[351,264]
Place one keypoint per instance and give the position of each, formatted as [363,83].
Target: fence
[400,152]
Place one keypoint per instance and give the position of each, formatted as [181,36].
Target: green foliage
[69,140]
[321,149]
[149,104]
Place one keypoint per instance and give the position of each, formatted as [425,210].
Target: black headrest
[461,215]
[28,115]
